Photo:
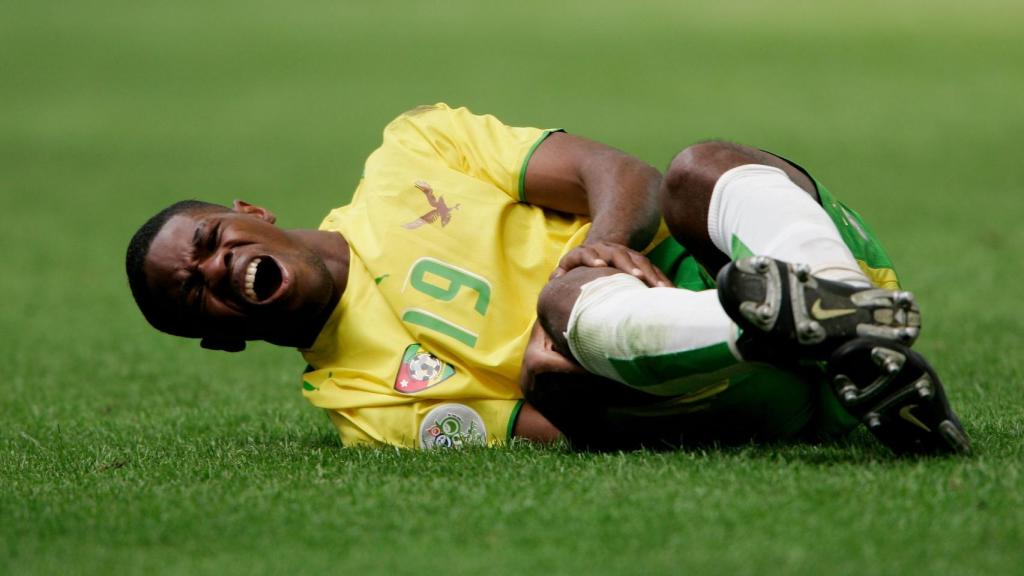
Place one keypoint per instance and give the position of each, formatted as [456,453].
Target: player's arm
[532,425]
[617,191]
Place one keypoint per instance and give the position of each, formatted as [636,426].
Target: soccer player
[487,282]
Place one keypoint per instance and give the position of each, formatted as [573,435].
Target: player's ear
[225,344]
[258,211]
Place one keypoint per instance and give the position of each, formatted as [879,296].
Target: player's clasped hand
[607,254]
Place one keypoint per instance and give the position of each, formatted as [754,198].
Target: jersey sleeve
[479,146]
[429,423]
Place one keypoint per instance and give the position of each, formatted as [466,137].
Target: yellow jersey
[447,261]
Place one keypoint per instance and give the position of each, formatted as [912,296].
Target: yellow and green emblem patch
[420,370]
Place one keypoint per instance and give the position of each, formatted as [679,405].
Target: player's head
[227,275]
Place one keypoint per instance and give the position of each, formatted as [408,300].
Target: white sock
[619,317]
[774,217]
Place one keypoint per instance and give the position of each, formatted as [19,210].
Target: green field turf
[124,451]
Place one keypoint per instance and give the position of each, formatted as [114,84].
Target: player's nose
[216,269]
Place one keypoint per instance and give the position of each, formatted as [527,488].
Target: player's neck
[333,251]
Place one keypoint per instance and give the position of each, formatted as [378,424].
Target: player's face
[231,276]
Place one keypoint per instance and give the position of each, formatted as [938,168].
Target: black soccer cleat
[898,396]
[788,315]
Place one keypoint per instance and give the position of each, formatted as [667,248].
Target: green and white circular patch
[452,426]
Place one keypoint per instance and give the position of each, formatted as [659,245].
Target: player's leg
[724,201]
[732,201]
[662,341]
[729,201]
[660,369]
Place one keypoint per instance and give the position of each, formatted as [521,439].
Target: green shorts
[758,401]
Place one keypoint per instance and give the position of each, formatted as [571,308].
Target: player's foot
[898,396]
[788,315]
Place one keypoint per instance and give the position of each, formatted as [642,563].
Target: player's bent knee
[557,298]
[685,197]
[697,167]
[685,174]
[695,171]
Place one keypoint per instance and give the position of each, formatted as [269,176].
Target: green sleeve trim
[526,161]
[512,419]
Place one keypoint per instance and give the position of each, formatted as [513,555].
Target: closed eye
[213,238]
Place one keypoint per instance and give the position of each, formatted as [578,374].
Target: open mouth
[263,278]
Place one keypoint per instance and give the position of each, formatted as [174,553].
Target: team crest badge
[452,426]
[420,370]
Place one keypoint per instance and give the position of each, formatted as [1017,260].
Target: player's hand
[607,254]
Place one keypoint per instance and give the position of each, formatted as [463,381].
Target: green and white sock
[758,208]
[654,339]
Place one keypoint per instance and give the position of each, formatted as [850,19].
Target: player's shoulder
[423,114]
[419,129]
[440,117]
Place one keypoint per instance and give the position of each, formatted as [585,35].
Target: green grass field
[122,450]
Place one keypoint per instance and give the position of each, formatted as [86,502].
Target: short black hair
[138,250]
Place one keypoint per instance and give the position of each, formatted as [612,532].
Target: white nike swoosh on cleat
[906,415]
[820,313]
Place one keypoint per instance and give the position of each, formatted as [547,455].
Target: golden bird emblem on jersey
[440,208]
